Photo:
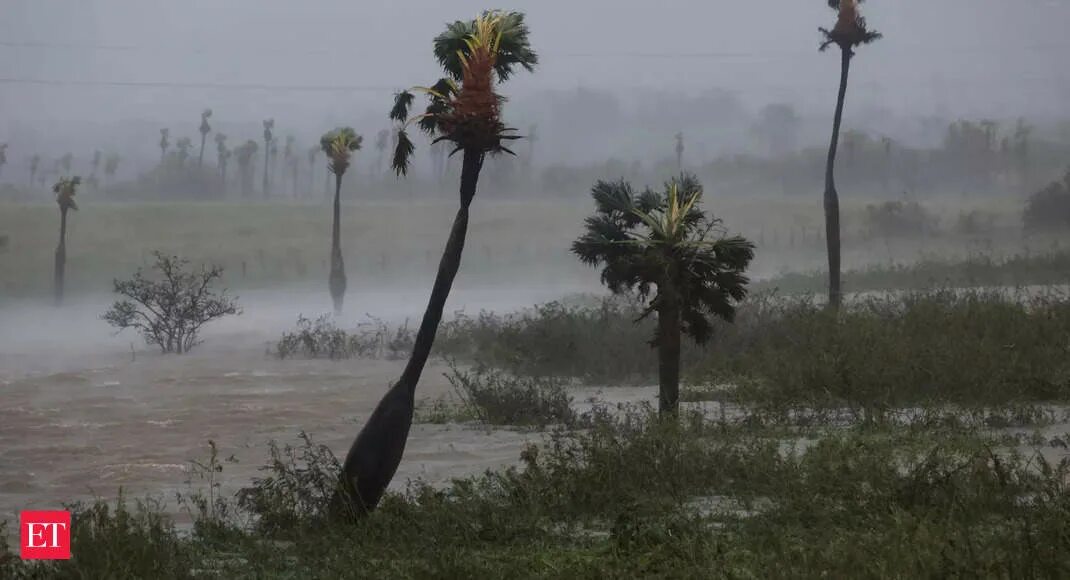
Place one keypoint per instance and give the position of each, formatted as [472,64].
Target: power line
[200,85]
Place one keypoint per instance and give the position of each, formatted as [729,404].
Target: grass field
[510,242]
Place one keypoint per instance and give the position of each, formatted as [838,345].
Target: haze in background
[617,78]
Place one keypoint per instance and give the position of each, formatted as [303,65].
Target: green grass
[634,497]
[970,348]
[1045,268]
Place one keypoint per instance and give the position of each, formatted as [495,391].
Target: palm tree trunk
[376,453]
[668,355]
[200,157]
[832,199]
[267,162]
[337,280]
[61,258]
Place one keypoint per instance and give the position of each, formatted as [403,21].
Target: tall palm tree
[165,143]
[35,163]
[269,128]
[205,129]
[246,153]
[65,190]
[3,156]
[464,109]
[339,145]
[849,33]
[111,165]
[664,240]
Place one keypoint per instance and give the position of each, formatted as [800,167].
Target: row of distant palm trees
[246,155]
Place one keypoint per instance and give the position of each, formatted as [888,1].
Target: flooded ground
[81,414]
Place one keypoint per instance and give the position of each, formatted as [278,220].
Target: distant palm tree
[184,145]
[663,239]
[339,145]
[313,153]
[3,157]
[111,165]
[222,155]
[269,127]
[65,190]
[205,129]
[679,152]
[465,110]
[35,163]
[245,166]
[290,159]
[849,33]
[64,163]
[94,165]
[165,143]
[381,141]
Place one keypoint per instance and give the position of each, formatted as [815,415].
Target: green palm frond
[661,240]
[402,103]
[402,153]
[514,47]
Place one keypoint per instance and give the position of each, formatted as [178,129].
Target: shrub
[1049,208]
[170,310]
[897,219]
[597,343]
[321,338]
[969,348]
[497,398]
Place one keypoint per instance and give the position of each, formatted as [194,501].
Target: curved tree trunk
[61,258]
[668,355]
[337,280]
[832,199]
[376,453]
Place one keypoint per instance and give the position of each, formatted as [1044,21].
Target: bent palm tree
[663,239]
[850,32]
[65,190]
[339,146]
[464,109]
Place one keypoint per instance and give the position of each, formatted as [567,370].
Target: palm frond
[402,153]
[402,103]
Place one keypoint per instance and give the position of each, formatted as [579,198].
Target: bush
[598,343]
[321,338]
[170,311]
[1049,208]
[497,398]
[970,348]
[897,219]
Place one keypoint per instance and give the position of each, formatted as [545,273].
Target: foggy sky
[338,61]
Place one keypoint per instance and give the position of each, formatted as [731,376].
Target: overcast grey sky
[334,60]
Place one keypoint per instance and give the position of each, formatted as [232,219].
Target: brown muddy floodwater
[81,415]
